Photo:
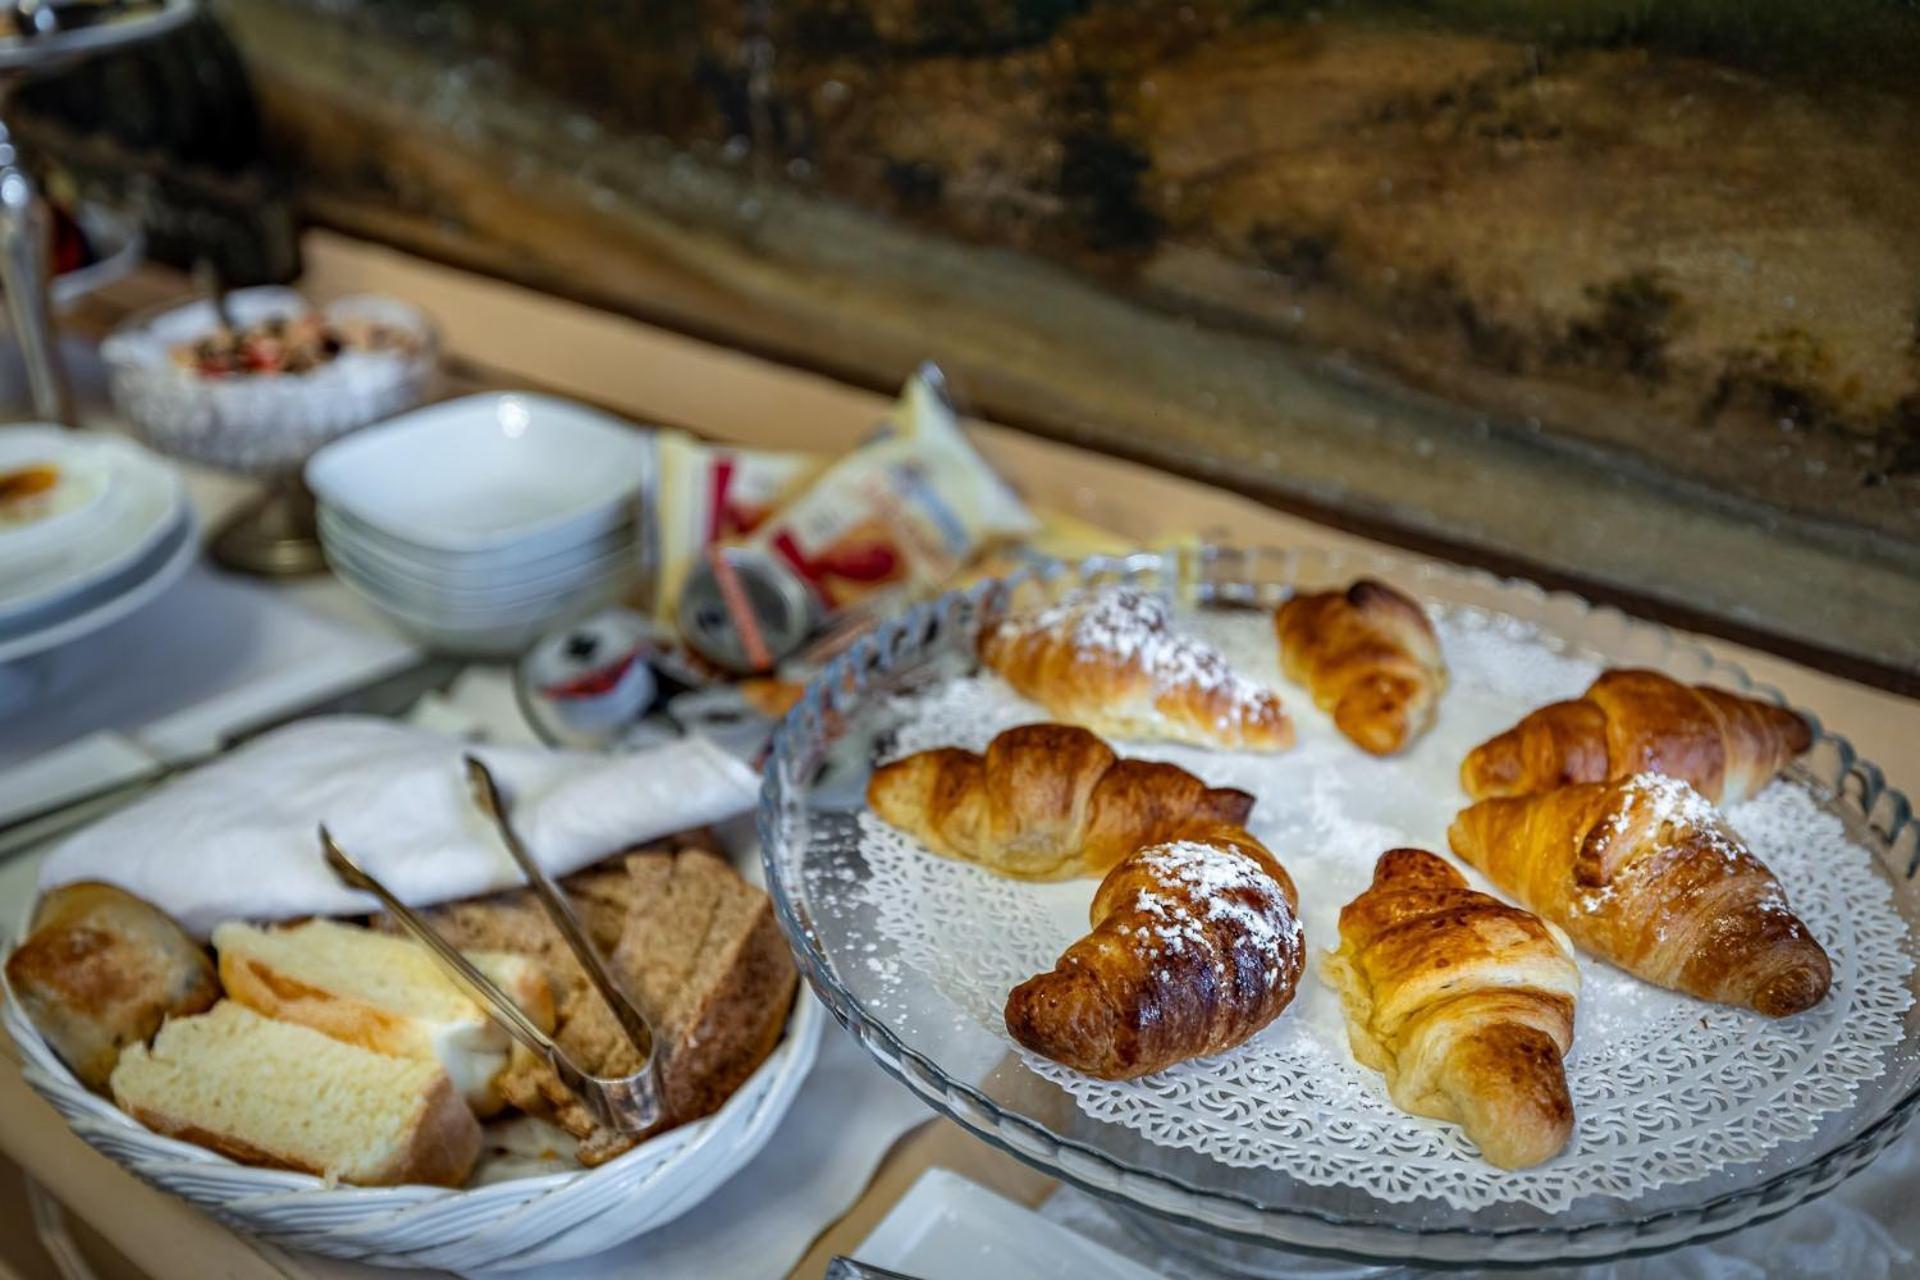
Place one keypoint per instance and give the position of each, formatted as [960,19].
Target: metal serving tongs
[628,1104]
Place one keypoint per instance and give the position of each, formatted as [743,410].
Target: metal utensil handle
[23,228]
[841,1267]
[506,1012]
[486,794]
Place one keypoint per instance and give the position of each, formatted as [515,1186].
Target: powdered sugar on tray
[1500,653]
[1667,1089]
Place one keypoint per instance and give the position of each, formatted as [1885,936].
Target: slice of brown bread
[601,896]
[733,1005]
[698,951]
[706,961]
[672,906]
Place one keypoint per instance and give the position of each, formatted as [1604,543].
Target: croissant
[1046,802]
[1464,1003]
[1111,662]
[1643,873]
[1196,945]
[1370,659]
[1630,721]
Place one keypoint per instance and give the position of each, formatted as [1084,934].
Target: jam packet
[711,494]
[902,513]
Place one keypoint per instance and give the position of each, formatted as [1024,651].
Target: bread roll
[101,970]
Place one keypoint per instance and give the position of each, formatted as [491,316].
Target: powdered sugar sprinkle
[1671,801]
[1210,880]
[1678,810]
[1135,627]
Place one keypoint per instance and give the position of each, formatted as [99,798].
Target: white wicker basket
[523,1222]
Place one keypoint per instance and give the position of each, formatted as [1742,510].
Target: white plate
[84,477]
[107,602]
[947,1228]
[37,52]
[487,472]
[486,610]
[143,502]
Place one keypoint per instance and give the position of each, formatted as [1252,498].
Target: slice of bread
[383,993]
[287,1097]
[698,951]
[704,956]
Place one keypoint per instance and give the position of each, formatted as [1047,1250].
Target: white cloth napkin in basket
[238,838]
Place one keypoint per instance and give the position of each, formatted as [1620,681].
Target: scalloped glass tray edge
[903,653]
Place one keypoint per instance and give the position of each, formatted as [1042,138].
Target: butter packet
[901,514]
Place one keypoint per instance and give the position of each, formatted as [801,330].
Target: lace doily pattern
[1666,1088]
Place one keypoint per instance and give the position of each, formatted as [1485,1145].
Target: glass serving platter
[111,29]
[1259,1220]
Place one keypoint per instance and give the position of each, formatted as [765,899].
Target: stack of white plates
[480,523]
[111,532]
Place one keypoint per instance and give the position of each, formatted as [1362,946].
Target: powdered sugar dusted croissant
[1644,873]
[1631,721]
[1196,945]
[1110,660]
[1370,659]
[1046,802]
[1464,1003]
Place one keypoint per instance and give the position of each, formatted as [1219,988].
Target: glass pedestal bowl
[1259,1220]
[266,426]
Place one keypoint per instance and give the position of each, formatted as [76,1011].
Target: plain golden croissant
[1046,802]
[1196,945]
[1631,721]
[1370,659]
[1643,873]
[1464,1003]
[1111,661]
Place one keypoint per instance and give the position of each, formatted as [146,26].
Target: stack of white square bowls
[480,523]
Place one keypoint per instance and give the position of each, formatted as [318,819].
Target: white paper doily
[1666,1088]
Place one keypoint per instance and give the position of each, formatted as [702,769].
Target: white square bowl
[488,472]
[622,567]
[545,576]
[499,632]
[475,568]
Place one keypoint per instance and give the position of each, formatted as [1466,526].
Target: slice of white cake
[285,1096]
[383,993]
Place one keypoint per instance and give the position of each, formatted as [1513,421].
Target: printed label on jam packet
[711,494]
